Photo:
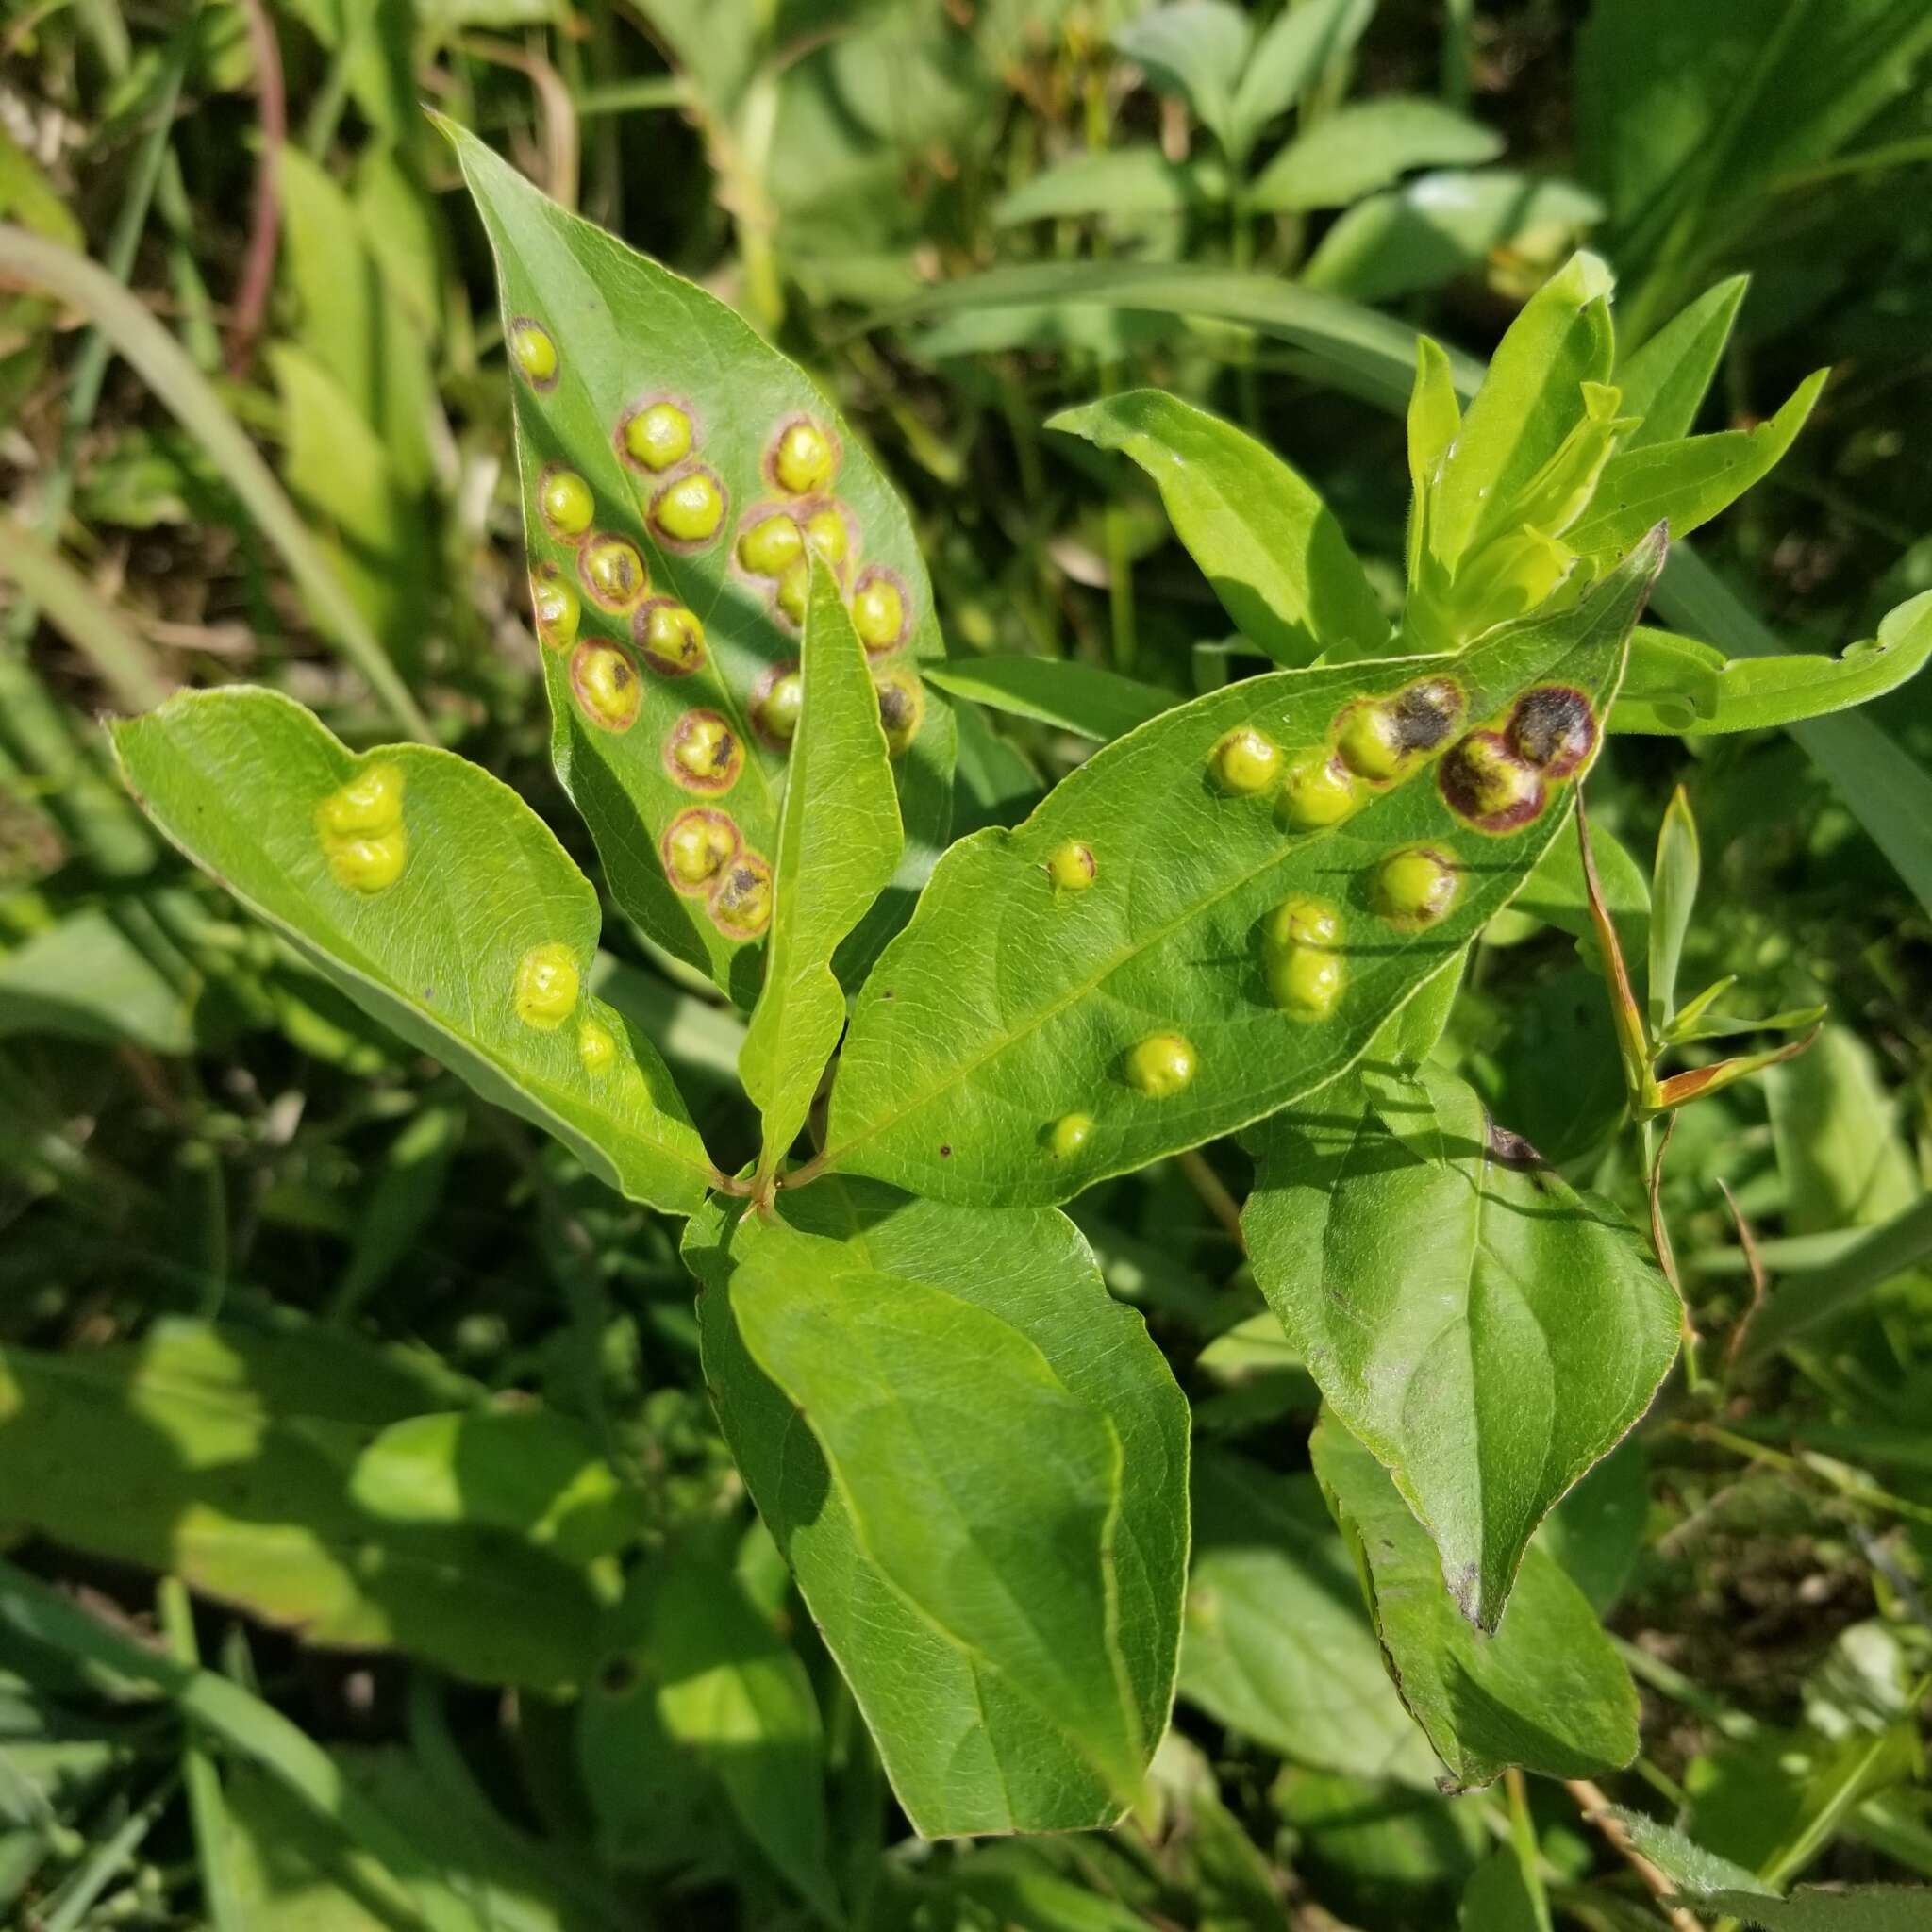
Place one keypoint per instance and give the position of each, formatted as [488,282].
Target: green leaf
[1085,699]
[1493,1352]
[1438,226]
[106,974]
[692,1665]
[1547,1692]
[243,1464]
[1673,899]
[974,1461]
[1686,1865]
[1365,146]
[1835,1128]
[1597,1532]
[839,841]
[236,778]
[627,334]
[1677,686]
[1135,181]
[1008,1015]
[1276,1646]
[1498,1899]
[1195,49]
[1666,380]
[1685,483]
[1815,1908]
[1305,42]
[1270,546]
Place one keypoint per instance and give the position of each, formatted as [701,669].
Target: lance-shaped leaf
[677,474]
[1547,1692]
[1264,539]
[1212,916]
[437,901]
[1664,382]
[976,1462]
[1678,686]
[838,843]
[1486,1331]
[1085,699]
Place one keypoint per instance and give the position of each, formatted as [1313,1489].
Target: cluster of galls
[1498,781]
[545,996]
[705,857]
[360,826]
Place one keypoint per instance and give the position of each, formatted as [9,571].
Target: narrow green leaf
[1818,1908]
[1277,1645]
[1841,1151]
[1270,546]
[1001,1051]
[1498,1898]
[1365,146]
[1665,381]
[1117,181]
[1504,1342]
[1686,483]
[1547,1692]
[433,920]
[1673,899]
[839,841]
[1194,49]
[1085,699]
[1435,417]
[1005,1600]
[1676,686]
[1686,1865]
[1305,42]
[659,690]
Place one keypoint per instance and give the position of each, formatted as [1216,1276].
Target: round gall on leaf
[696,846]
[565,502]
[534,351]
[768,546]
[803,459]
[614,571]
[827,536]
[1416,888]
[1069,1134]
[1488,786]
[1369,742]
[1318,791]
[670,638]
[369,864]
[657,436]
[1554,728]
[546,994]
[1245,763]
[1161,1065]
[690,509]
[369,803]
[1300,921]
[703,753]
[1380,740]
[902,708]
[741,902]
[775,709]
[606,685]
[555,606]
[1071,867]
[1306,981]
[596,1049]
[795,590]
[878,611]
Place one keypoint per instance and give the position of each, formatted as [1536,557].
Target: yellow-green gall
[670,636]
[371,803]
[1306,981]
[690,509]
[767,546]
[614,571]
[803,459]
[1417,887]
[1069,1134]
[1071,867]
[657,436]
[1370,742]
[741,902]
[1300,921]
[827,536]
[697,845]
[795,590]
[878,611]
[776,710]
[1161,1065]
[703,753]
[369,864]
[596,1049]
[534,351]
[606,685]
[1246,762]
[1484,780]
[902,708]
[566,503]
[546,986]
[557,608]
[1318,791]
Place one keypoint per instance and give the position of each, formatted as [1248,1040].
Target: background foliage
[484,1631]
